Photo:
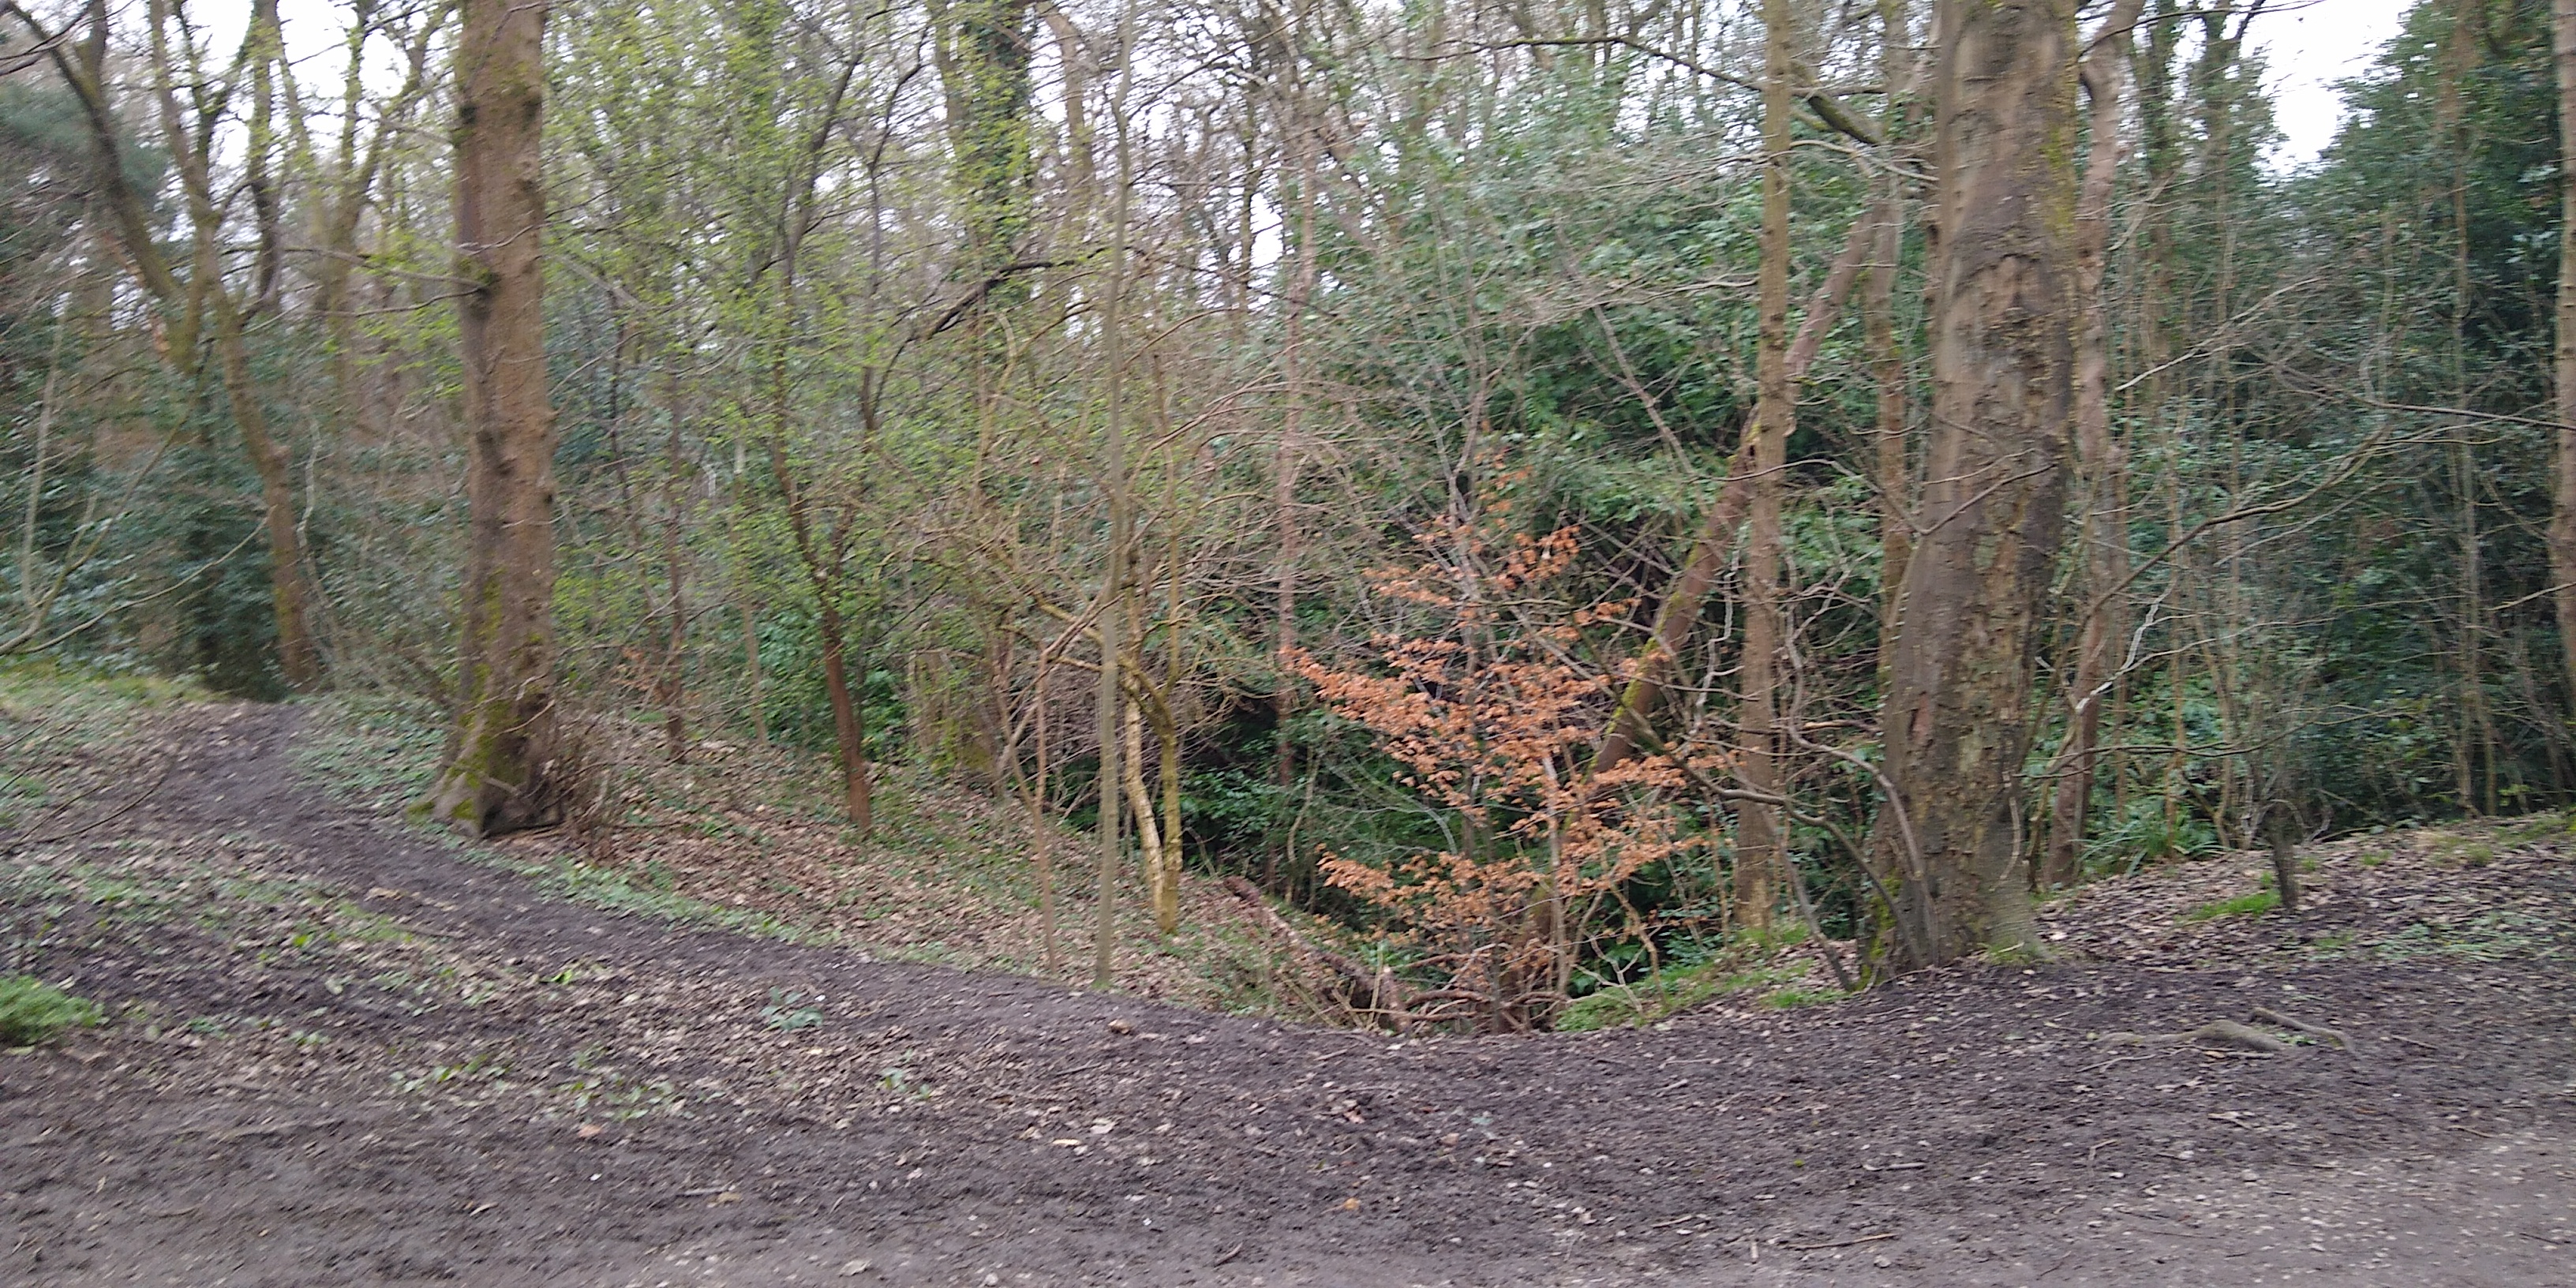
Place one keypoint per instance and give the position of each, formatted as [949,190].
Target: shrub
[1494,728]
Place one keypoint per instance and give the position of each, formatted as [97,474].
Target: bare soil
[348,1052]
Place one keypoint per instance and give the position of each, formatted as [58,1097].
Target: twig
[2413,1043]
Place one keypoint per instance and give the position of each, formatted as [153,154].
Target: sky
[2308,49]
[2308,44]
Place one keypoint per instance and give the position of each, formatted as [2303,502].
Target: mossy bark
[504,770]
[1960,682]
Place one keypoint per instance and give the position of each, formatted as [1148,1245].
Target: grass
[2244,905]
[2536,827]
[1790,998]
[749,837]
[2466,853]
[377,753]
[1741,969]
[2485,937]
[33,1012]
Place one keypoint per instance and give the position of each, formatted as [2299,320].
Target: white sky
[2309,47]
[2309,44]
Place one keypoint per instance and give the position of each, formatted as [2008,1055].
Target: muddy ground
[347,1052]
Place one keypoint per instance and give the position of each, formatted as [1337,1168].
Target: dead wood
[1376,994]
[2336,1036]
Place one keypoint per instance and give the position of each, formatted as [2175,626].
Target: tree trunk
[2100,462]
[1959,685]
[1895,474]
[849,728]
[184,307]
[1149,831]
[1758,852]
[1167,899]
[299,660]
[1114,481]
[1678,616]
[502,771]
[670,684]
[2562,517]
[1290,457]
[751,672]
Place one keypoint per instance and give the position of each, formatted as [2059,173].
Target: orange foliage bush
[1494,720]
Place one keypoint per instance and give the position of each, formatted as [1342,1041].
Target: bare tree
[2562,517]
[199,305]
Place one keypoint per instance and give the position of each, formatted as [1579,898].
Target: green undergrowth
[1744,966]
[60,724]
[377,754]
[33,1012]
[2245,905]
[944,877]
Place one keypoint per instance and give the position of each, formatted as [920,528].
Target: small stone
[1121,1027]
[855,1268]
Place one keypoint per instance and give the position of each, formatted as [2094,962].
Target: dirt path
[351,1055]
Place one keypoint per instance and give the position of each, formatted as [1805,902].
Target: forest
[1537,489]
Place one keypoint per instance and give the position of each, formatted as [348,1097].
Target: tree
[2562,518]
[1960,681]
[503,768]
[2101,465]
[200,305]
[1759,854]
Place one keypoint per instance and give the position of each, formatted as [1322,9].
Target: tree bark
[299,660]
[1959,686]
[1894,466]
[1290,456]
[1115,483]
[502,772]
[2101,463]
[849,728]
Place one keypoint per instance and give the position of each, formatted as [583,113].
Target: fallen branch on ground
[2270,1016]
[1374,993]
